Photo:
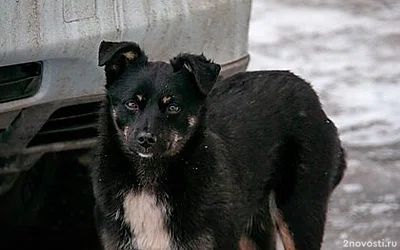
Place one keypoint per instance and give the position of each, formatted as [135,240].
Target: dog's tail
[280,224]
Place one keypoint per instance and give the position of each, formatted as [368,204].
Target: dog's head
[154,106]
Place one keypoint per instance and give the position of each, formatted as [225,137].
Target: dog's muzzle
[146,142]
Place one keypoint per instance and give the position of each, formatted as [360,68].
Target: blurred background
[350,52]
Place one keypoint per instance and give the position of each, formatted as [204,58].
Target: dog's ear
[115,56]
[204,70]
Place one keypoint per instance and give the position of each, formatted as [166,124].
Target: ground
[350,52]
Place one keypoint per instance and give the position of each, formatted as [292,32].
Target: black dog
[185,163]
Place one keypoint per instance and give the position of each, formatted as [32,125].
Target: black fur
[253,134]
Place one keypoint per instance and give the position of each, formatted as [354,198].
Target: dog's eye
[131,105]
[173,109]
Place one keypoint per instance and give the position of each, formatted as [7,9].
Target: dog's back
[274,115]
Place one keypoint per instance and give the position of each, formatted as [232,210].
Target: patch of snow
[353,163]
[389,198]
[340,222]
[351,60]
[374,208]
[352,187]
[371,225]
[343,236]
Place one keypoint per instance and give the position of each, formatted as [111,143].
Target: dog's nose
[146,139]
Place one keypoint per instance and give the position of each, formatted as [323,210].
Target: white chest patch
[146,219]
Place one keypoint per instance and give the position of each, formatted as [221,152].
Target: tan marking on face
[114,113]
[176,143]
[146,218]
[126,132]
[139,97]
[130,55]
[166,99]
[192,120]
[175,139]
[188,67]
